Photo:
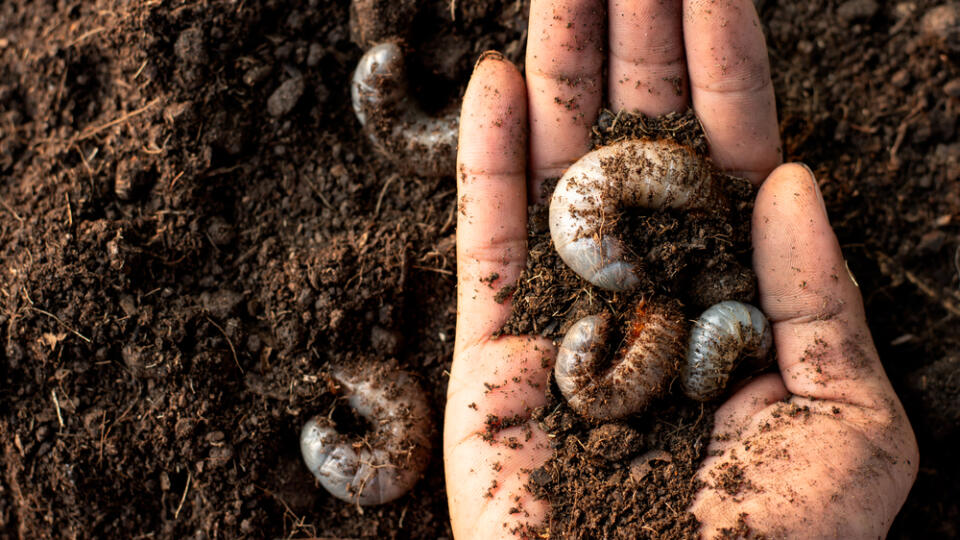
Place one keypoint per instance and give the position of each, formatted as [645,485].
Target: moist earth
[193,229]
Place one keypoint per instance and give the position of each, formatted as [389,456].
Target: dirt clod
[285,97]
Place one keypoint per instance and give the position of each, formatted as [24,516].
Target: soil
[194,229]
[624,480]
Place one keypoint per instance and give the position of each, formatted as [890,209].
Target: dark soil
[624,480]
[193,229]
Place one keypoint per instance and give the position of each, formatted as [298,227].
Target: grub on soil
[591,483]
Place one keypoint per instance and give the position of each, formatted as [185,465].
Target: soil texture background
[193,229]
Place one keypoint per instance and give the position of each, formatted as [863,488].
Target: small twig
[932,293]
[437,270]
[956,261]
[376,210]
[103,434]
[69,210]
[63,324]
[85,35]
[175,178]
[230,343]
[902,132]
[56,405]
[298,522]
[318,192]
[140,70]
[12,212]
[93,131]
[183,497]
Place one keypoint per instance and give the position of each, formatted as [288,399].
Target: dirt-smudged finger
[492,202]
[564,82]
[647,71]
[731,86]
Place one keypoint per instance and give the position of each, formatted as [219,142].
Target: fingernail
[494,55]
[816,189]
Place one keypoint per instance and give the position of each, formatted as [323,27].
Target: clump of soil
[635,477]
[628,479]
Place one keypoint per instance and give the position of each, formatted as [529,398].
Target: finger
[487,490]
[647,71]
[730,85]
[564,74]
[492,202]
[824,347]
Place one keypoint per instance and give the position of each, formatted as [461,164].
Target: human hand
[838,455]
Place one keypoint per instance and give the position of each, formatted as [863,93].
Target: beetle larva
[721,337]
[420,144]
[387,462]
[642,368]
[593,191]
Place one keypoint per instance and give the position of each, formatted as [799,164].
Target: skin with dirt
[194,229]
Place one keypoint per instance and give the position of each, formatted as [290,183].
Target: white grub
[629,174]
[641,371]
[397,126]
[720,338]
[388,460]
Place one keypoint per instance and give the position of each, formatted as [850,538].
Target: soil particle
[285,97]
[256,75]
[952,88]
[372,21]
[943,24]
[613,442]
[190,46]
[857,10]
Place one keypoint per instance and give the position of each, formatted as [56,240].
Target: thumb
[824,347]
